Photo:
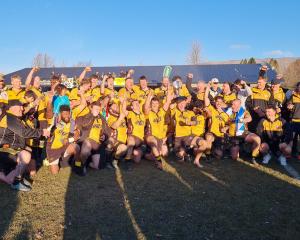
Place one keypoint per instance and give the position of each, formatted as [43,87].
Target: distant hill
[283,62]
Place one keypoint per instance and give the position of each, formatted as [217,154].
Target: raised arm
[147,103]
[122,116]
[170,96]
[189,80]
[247,88]
[130,73]
[49,107]
[29,77]
[102,89]
[82,75]
[83,103]
[206,95]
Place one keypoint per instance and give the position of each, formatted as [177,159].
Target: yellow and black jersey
[123,92]
[121,132]
[13,94]
[136,124]
[75,96]
[42,103]
[200,96]
[108,92]
[183,91]
[182,120]
[141,94]
[3,121]
[92,127]
[218,120]
[95,93]
[96,130]
[161,93]
[259,98]
[295,100]
[228,98]
[199,128]
[272,131]
[79,112]
[156,124]
[279,96]
[60,135]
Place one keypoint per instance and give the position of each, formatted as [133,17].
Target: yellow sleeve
[185,91]
[74,94]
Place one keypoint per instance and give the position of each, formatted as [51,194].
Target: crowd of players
[94,126]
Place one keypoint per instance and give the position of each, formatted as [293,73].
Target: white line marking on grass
[213,178]
[272,172]
[292,171]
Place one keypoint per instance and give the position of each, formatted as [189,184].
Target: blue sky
[141,32]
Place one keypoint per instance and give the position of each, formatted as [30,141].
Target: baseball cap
[215,80]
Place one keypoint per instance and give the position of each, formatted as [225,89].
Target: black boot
[109,157]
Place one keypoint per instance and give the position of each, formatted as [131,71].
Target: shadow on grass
[8,205]
[94,208]
[229,200]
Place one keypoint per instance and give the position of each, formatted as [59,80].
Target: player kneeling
[116,147]
[199,144]
[61,145]
[185,142]
[238,133]
[155,136]
[136,129]
[94,132]
[276,137]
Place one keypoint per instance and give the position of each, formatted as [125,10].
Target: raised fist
[88,69]
[190,75]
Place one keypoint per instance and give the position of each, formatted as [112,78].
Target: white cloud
[278,53]
[240,46]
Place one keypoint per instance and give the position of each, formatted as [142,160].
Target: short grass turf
[224,200]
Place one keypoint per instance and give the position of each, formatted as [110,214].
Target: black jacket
[17,132]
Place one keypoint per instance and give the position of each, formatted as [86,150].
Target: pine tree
[252,61]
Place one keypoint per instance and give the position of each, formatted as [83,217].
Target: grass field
[224,200]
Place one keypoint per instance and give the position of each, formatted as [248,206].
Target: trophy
[177,84]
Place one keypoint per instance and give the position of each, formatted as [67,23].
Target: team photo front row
[94,126]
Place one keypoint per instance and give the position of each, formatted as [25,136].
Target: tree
[194,57]
[292,74]
[244,61]
[83,64]
[274,64]
[43,61]
[251,61]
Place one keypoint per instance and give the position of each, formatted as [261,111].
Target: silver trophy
[177,84]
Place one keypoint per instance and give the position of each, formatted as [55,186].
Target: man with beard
[61,145]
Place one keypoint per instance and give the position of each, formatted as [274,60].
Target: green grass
[225,200]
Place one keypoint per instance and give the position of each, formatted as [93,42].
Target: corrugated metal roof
[224,72]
